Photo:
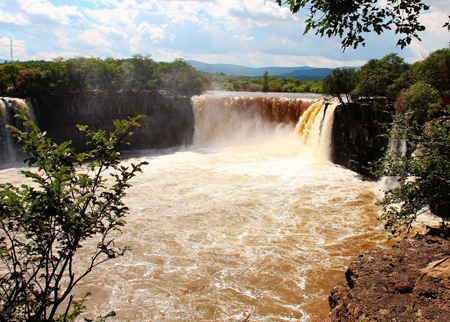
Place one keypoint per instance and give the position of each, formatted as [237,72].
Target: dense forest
[77,74]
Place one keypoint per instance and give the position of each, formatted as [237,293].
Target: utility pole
[12,55]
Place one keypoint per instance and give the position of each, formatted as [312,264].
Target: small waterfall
[396,147]
[315,126]
[8,108]
[324,154]
[308,125]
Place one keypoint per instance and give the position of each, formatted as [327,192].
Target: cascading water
[246,221]
[398,147]
[8,108]
[314,128]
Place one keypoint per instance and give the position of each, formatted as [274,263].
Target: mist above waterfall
[224,119]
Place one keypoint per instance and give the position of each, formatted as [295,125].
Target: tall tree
[265,81]
[377,76]
[340,81]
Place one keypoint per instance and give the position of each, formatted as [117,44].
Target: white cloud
[253,32]
[440,5]
[434,37]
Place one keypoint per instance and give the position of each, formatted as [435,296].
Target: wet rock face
[169,118]
[408,282]
[356,139]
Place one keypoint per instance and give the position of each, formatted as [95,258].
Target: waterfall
[315,126]
[223,119]
[231,119]
[8,108]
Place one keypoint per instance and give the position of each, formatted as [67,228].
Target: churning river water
[223,229]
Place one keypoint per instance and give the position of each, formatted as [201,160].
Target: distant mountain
[302,72]
[2,60]
[308,74]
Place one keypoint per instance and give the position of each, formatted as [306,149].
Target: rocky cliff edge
[408,282]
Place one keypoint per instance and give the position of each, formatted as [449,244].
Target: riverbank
[407,282]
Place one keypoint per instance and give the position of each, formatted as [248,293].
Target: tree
[423,171]
[44,225]
[140,73]
[340,81]
[76,73]
[421,103]
[9,74]
[106,73]
[423,175]
[435,70]
[275,84]
[377,77]
[181,77]
[265,81]
[350,19]
[33,80]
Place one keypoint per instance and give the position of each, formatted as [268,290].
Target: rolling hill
[302,72]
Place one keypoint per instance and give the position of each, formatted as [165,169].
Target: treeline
[388,79]
[222,82]
[81,73]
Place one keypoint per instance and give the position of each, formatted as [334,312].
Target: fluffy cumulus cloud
[246,32]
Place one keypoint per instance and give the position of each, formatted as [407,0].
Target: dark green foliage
[435,70]
[33,80]
[423,171]
[349,19]
[139,73]
[45,224]
[78,74]
[420,103]
[9,74]
[340,81]
[265,81]
[378,76]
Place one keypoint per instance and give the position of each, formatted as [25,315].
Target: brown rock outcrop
[408,282]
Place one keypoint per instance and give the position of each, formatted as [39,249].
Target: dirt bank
[408,282]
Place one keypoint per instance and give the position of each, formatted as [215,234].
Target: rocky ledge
[408,282]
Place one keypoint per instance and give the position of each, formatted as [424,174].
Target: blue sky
[256,33]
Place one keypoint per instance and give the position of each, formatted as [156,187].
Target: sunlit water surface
[217,234]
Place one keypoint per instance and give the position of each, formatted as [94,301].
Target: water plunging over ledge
[245,221]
